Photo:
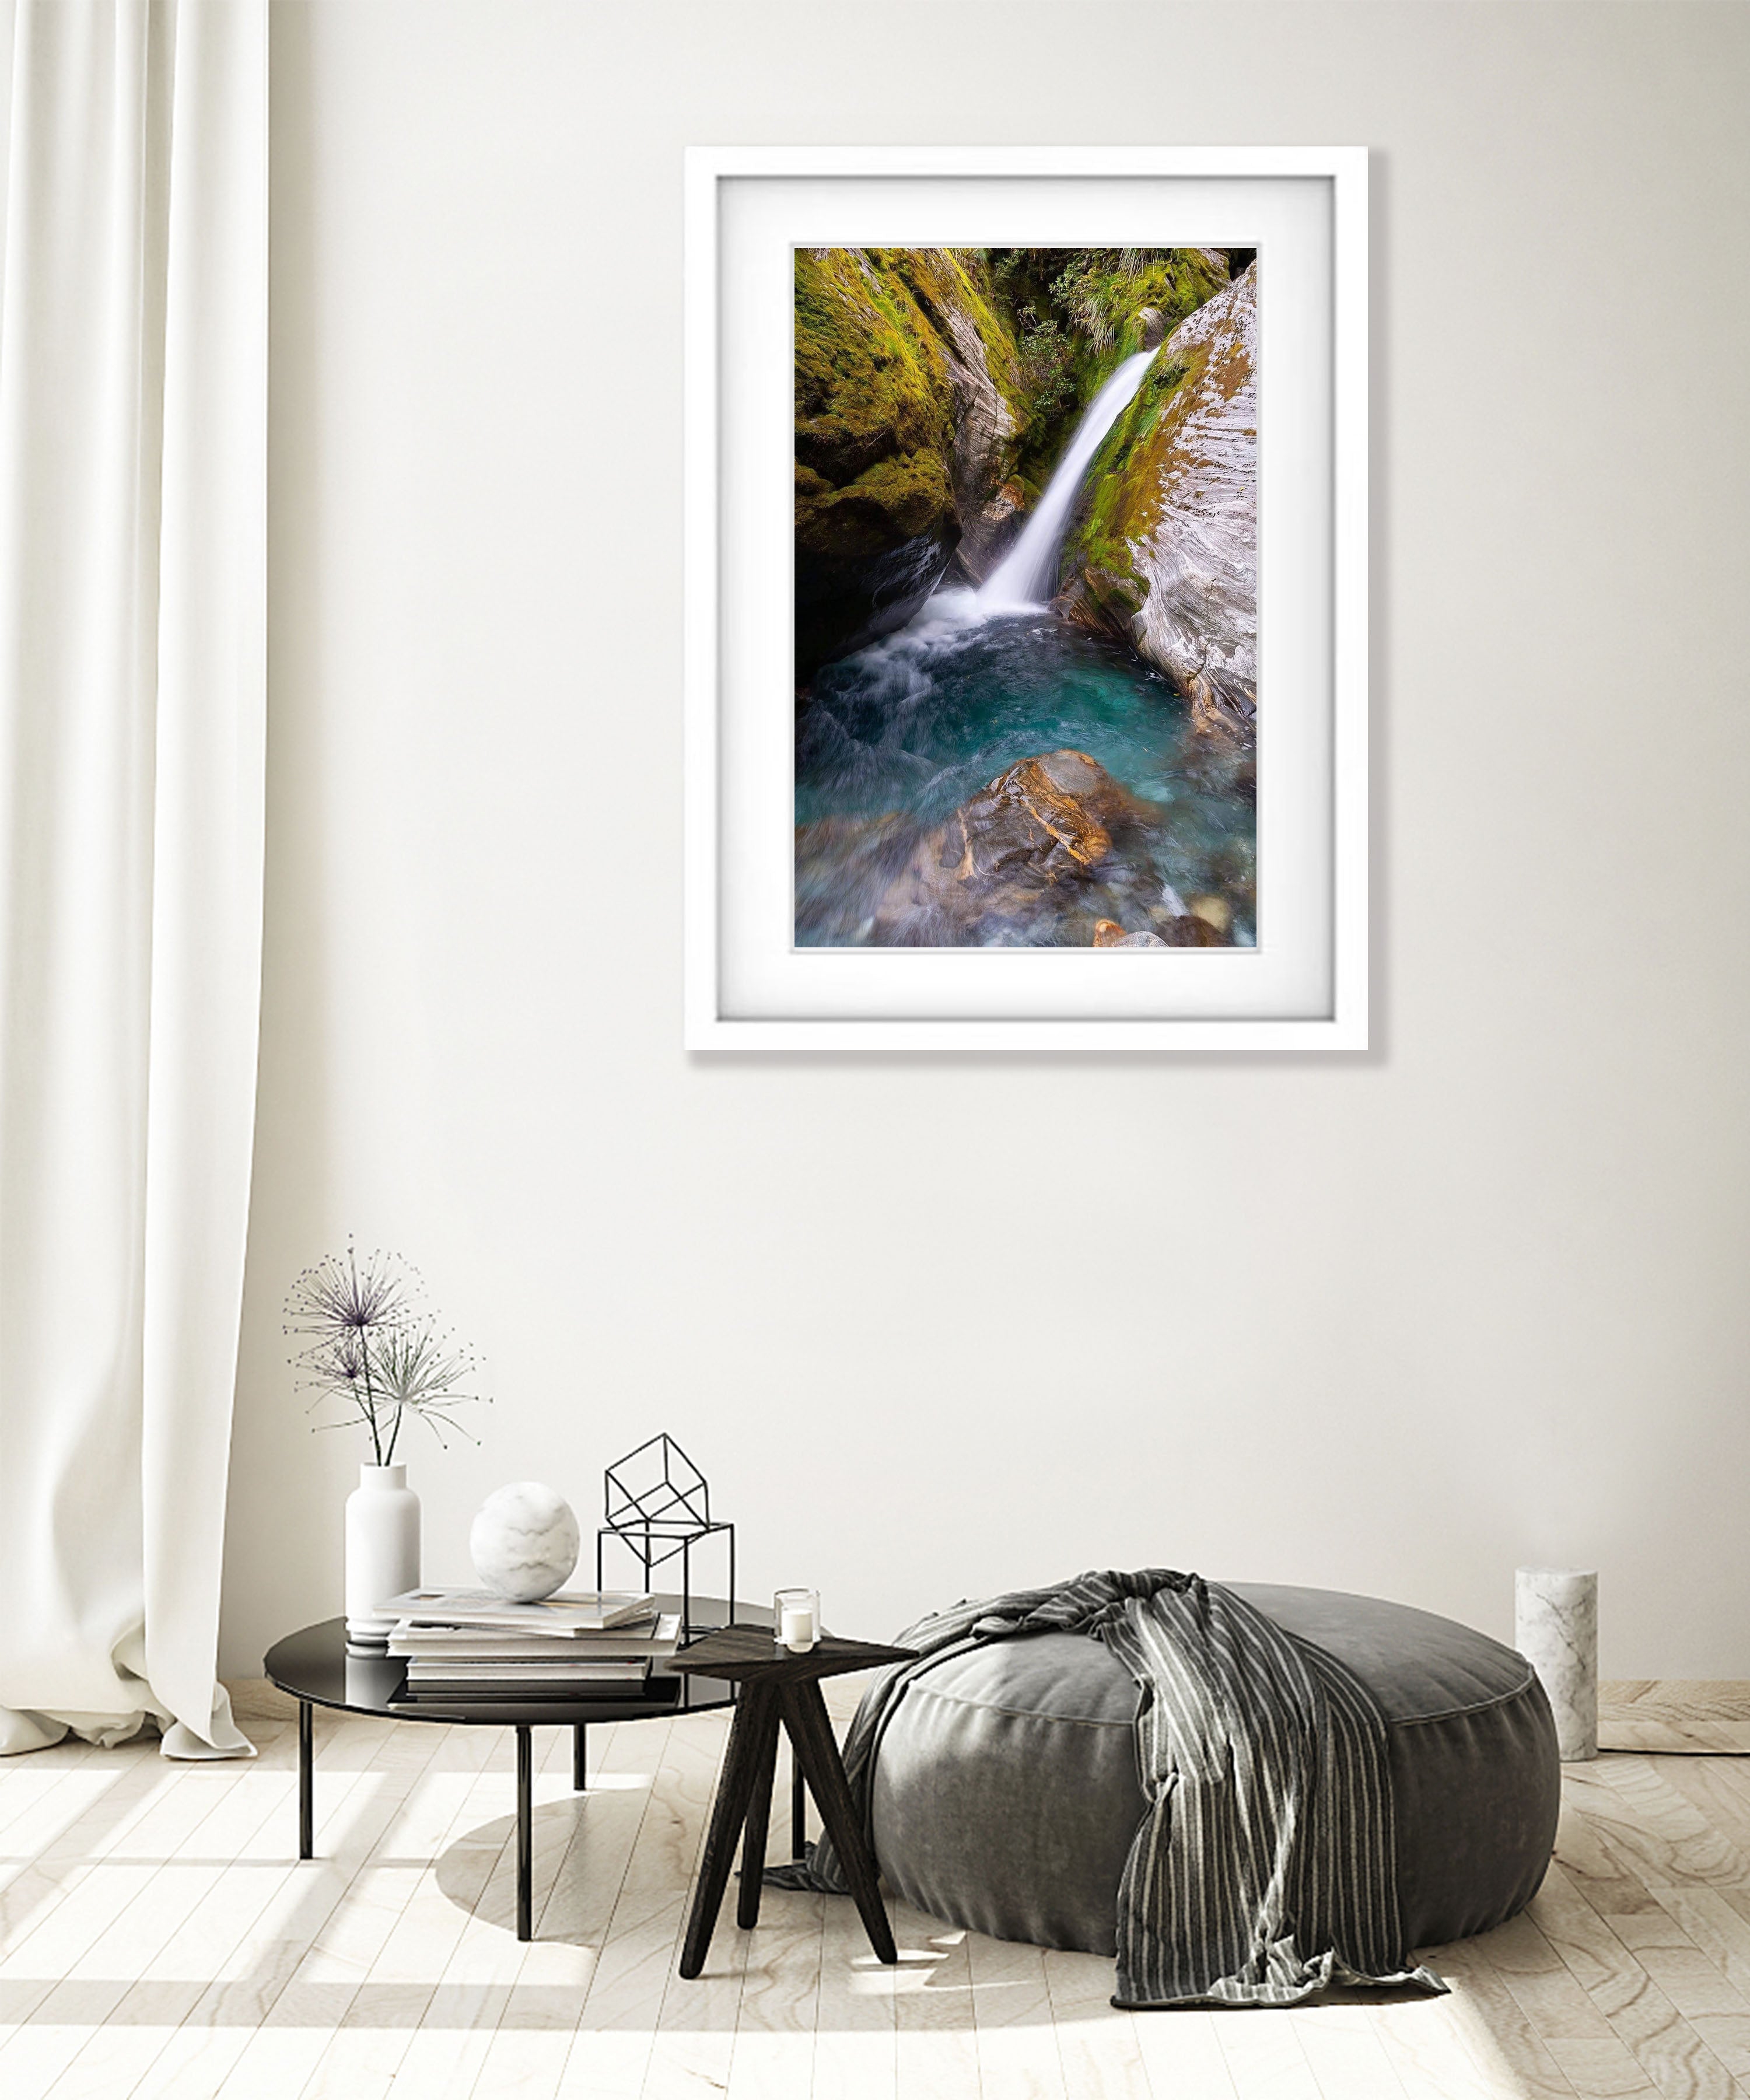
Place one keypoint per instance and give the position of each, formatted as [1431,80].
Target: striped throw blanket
[1265,1866]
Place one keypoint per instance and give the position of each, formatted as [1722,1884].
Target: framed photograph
[1026,600]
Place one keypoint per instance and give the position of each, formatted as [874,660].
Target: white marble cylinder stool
[1556,1629]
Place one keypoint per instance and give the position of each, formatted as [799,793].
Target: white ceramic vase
[382,1550]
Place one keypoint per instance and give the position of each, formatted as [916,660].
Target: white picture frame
[747,987]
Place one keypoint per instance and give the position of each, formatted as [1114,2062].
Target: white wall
[940,1326]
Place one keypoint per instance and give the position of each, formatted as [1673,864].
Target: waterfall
[1027,575]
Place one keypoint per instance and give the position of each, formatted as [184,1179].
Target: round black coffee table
[314,1667]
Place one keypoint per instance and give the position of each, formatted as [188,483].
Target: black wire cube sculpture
[657,1504]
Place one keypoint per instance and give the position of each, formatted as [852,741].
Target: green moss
[1123,480]
[945,278]
[871,383]
[896,501]
[1073,313]
[1105,288]
[1125,486]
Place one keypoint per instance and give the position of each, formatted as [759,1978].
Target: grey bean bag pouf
[1005,1795]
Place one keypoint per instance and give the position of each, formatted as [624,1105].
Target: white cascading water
[1027,575]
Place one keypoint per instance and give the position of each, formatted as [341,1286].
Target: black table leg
[580,1757]
[764,1755]
[798,1808]
[728,1812]
[804,1713]
[525,1834]
[307,1782]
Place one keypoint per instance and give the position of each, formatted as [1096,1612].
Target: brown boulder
[1036,859]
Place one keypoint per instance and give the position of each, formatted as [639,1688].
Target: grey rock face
[983,424]
[1152,324]
[1199,619]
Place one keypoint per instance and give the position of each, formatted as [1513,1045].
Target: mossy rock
[1123,492]
[894,501]
[871,380]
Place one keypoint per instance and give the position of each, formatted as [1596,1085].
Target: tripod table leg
[804,1713]
[580,1757]
[729,1813]
[764,1752]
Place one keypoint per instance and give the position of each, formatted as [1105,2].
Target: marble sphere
[524,1542]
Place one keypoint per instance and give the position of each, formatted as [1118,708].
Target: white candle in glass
[797,1615]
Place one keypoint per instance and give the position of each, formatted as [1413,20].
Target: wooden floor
[159,1936]
[1674,1714]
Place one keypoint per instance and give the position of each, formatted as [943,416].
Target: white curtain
[133,453]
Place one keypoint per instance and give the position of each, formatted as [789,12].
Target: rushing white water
[1027,575]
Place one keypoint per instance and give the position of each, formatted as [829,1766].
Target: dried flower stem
[372,1345]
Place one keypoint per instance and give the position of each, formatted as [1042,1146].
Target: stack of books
[468,1647]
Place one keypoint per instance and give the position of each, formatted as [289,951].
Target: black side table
[315,1668]
[776,1686]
